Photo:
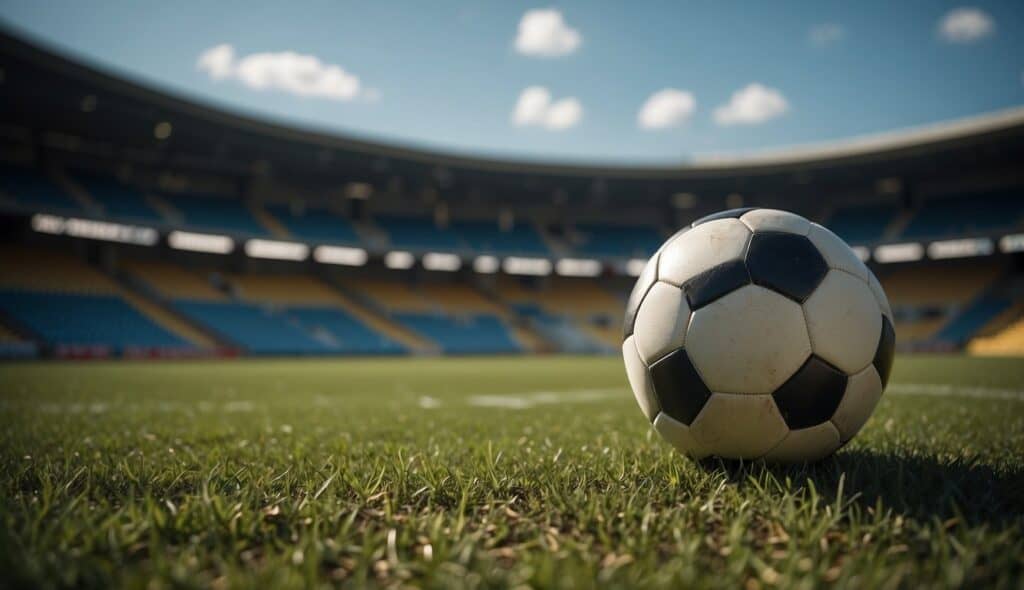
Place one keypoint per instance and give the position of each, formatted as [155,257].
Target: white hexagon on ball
[749,341]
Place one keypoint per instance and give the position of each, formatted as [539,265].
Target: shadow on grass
[916,486]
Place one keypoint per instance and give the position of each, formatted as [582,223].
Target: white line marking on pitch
[526,400]
[522,401]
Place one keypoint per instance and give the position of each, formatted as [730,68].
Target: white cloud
[535,108]
[544,33]
[965,25]
[296,73]
[666,108]
[217,61]
[826,34]
[750,105]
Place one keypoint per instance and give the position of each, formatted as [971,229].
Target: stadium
[260,316]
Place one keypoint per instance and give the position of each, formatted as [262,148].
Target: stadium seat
[920,286]
[41,269]
[467,334]
[418,233]
[35,191]
[315,224]
[318,309]
[968,214]
[568,335]
[859,225]
[486,237]
[66,319]
[118,201]
[392,295]
[345,333]
[258,329]
[216,213]
[172,281]
[964,325]
[617,240]
[1007,341]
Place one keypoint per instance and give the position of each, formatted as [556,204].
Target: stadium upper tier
[26,190]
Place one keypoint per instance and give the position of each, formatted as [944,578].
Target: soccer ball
[754,333]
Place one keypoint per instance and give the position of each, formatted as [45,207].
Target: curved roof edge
[867,147]
[871,143]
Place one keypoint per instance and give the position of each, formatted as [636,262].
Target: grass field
[452,473]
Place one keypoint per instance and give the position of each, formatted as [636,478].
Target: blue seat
[978,213]
[34,190]
[216,213]
[348,334]
[563,331]
[617,240]
[474,334]
[118,201]
[418,233]
[486,237]
[257,329]
[859,225]
[64,319]
[972,318]
[315,224]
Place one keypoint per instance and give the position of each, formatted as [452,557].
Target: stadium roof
[43,93]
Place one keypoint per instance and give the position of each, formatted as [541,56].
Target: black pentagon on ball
[885,352]
[716,282]
[728,214]
[786,263]
[678,386]
[811,395]
[644,282]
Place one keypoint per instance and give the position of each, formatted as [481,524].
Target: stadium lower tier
[69,321]
[470,334]
[53,302]
[260,329]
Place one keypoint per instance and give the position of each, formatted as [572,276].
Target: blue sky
[737,76]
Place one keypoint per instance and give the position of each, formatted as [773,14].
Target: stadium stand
[924,299]
[317,308]
[13,345]
[861,224]
[316,224]
[486,237]
[418,233]
[1008,340]
[173,281]
[257,329]
[601,240]
[919,286]
[220,302]
[973,317]
[117,200]
[390,295]
[457,299]
[215,213]
[72,320]
[968,214]
[575,314]
[33,189]
[465,334]
[66,304]
[436,312]
[268,314]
